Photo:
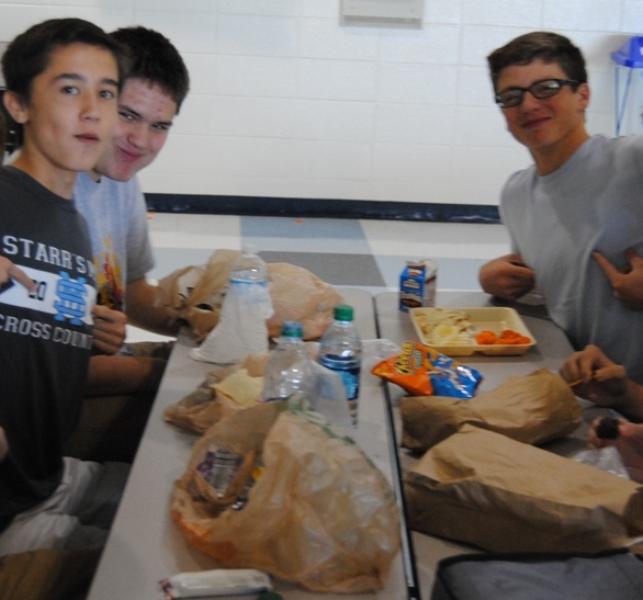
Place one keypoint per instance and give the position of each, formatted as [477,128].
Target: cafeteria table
[551,349]
[145,546]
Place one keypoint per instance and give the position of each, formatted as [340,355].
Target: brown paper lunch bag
[532,408]
[207,403]
[485,489]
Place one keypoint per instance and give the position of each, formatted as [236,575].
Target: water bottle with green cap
[340,350]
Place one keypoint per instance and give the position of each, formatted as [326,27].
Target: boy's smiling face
[552,127]
[146,113]
[70,114]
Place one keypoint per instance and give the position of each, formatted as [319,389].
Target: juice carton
[418,283]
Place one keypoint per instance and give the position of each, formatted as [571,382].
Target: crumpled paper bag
[532,408]
[195,294]
[483,488]
[224,391]
[319,514]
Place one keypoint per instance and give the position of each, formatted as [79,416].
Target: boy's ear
[15,106]
[583,90]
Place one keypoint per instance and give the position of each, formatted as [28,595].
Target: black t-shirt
[45,336]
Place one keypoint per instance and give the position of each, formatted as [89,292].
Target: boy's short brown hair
[538,45]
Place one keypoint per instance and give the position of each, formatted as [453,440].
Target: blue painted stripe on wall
[320,207]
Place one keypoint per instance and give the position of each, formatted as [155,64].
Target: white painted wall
[285,101]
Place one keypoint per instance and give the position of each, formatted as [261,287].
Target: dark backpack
[615,575]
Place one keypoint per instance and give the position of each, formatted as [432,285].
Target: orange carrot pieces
[506,337]
[486,337]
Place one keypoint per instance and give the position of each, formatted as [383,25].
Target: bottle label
[348,369]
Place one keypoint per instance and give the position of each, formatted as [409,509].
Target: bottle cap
[248,248]
[292,329]
[343,312]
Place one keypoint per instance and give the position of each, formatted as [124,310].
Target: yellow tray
[493,318]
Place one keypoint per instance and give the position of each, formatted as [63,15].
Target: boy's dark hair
[544,45]
[152,57]
[28,54]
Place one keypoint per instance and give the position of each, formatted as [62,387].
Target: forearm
[111,375]
[157,319]
[630,403]
[142,310]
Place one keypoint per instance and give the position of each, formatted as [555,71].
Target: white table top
[145,546]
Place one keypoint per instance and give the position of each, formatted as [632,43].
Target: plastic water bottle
[340,350]
[288,369]
[249,268]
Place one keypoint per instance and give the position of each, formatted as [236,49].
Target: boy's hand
[599,378]
[507,277]
[629,444]
[627,285]
[10,271]
[109,329]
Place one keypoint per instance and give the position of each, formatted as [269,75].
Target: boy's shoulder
[15,181]
[91,196]
[25,193]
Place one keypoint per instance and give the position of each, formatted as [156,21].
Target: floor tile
[336,269]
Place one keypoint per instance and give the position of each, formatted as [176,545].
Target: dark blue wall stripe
[316,207]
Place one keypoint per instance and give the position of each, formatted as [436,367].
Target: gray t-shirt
[593,202]
[116,216]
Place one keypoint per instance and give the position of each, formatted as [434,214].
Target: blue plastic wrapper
[422,371]
[450,378]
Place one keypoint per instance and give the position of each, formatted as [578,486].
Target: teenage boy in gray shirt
[109,197]
[581,197]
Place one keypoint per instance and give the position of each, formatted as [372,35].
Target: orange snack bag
[423,371]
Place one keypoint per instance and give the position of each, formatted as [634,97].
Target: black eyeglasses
[541,89]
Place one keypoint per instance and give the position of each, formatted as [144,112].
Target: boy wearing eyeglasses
[579,201]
